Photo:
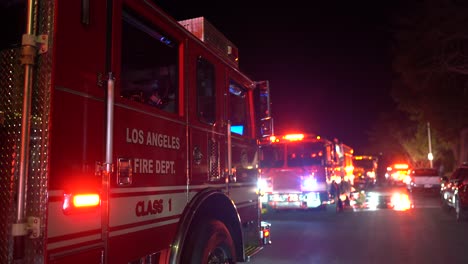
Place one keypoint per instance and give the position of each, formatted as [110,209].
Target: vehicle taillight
[80,202]
[265,233]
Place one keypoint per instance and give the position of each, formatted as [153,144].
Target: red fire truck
[297,171]
[125,137]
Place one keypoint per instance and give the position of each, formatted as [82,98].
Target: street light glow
[430,156]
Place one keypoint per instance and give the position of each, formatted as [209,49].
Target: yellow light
[272,138]
[86,200]
[318,137]
[294,137]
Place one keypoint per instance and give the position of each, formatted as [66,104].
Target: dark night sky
[328,62]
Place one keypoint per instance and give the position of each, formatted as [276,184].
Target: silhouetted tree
[431,60]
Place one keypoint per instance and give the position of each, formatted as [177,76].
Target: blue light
[309,184]
[238,129]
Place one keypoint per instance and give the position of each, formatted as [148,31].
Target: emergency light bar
[401,166]
[290,137]
[294,137]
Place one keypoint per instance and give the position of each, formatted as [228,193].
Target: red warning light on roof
[294,137]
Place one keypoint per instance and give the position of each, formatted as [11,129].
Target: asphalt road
[425,234]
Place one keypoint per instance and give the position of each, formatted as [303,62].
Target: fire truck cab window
[305,154]
[272,156]
[238,108]
[149,65]
[206,92]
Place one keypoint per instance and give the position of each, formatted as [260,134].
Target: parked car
[454,192]
[423,179]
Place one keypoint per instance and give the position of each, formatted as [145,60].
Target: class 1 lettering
[149,207]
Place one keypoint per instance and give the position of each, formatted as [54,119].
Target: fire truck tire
[209,243]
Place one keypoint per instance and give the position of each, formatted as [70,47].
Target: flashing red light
[82,201]
[401,166]
[86,200]
[294,137]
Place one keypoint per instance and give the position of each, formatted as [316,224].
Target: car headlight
[262,184]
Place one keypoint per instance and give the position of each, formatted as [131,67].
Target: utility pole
[430,157]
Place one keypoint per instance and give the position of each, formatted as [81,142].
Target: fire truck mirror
[262,94]
[266,127]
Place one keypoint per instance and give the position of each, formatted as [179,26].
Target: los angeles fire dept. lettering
[153,166]
[160,140]
[137,136]
[149,207]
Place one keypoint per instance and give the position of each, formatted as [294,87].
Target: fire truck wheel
[210,243]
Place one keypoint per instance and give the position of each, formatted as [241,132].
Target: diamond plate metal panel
[11,98]
[11,105]
[213,148]
[36,200]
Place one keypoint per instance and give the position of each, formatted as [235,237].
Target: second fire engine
[298,171]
